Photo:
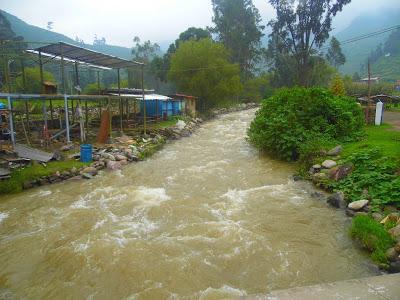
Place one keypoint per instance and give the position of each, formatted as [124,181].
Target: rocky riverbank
[387,218]
[125,149]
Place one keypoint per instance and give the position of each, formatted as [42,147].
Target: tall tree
[237,26]
[335,55]
[302,27]
[202,68]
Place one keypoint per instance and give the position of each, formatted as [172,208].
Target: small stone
[114,165]
[335,151]
[391,254]
[318,177]
[119,157]
[58,174]
[65,174]
[395,232]
[317,195]
[337,200]
[329,164]
[317,167]
[338,173]
[90,170]
[377,216]
[27,185]
[349,212]
[397,247]
[87,176]
[123,162]
[67,147]
[108,156]
[74,170]
[358,205]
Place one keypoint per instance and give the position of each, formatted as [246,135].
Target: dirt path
[393,118]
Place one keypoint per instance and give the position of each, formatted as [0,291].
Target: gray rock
[317,195]
[108,156]
[335,151]
[328,164]
[90,170]
[391,254]
[318,177]
[119,157]
[358,205]
[114,165]
[340,172]
[87,176]
[74,171]
[297,177]
[337,200]
[394,267]
[67,147]
[317,167]
[350,213]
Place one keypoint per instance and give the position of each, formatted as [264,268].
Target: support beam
[11,120]
[66,118]
[41,73]
[120,101]
[144,103]
[62,71]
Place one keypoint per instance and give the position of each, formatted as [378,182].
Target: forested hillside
[34,33]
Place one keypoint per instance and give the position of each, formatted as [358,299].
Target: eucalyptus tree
[301,28]
[238,27]
[335,55]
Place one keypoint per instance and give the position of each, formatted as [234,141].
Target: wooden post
[144,103]
[11,120]
[41,73]
[66,118]
[109,114]
[369,91]
[120,102]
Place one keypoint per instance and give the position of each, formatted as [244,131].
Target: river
[207,217]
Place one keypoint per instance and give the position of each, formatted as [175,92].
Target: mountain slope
[32,33]
[357,53]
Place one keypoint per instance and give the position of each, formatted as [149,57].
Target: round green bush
[297,116]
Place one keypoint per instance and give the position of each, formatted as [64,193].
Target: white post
[66,118]
[11,120]
[379,113]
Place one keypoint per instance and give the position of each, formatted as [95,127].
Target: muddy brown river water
[207,217]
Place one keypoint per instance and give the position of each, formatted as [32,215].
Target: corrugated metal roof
[87,56]
[146,97]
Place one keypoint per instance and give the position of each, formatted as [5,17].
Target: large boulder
[340,172]
[335,151]
[358,205]
[329,164]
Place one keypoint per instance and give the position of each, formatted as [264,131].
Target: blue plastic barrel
[86,153]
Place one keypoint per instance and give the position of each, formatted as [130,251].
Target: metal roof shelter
[83,55]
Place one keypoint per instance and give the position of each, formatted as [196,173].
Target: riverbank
[364,178]
[120,151]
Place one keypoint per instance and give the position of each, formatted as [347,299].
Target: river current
[207,217]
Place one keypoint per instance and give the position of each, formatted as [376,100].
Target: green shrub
[297,116]
[373,237]
[373,173]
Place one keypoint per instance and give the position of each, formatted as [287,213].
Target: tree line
[231,60]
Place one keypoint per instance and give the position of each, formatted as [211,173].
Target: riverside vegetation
[305,125]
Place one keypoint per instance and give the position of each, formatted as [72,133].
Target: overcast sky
[158,20]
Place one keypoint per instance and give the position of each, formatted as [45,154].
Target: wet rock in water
[395,232]
[350,212]
[114,165]
[329,164]
[337,200]
[394,267]
[358,205]
[377,216]
[297,177]
[108,156]
[119,157]
[87,176]
[335,151]
[90,170]
[317,195]
[340,172]
[391,254]
[28,185]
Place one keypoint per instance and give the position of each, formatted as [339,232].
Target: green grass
[32,172]
[373,237]
[382,137]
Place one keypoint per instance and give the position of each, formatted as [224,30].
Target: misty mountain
[32,33]
[357,53]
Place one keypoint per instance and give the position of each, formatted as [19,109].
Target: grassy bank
[33,172]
